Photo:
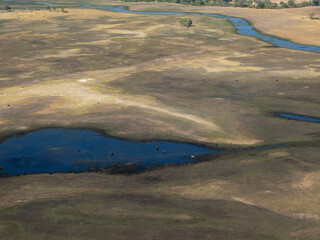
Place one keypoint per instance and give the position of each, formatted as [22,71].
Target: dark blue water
[243,27]
[299,117]
[65,150]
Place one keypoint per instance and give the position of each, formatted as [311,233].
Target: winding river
[243,26]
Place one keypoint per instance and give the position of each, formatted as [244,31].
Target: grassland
[146,77]
[293,24]
[203,84]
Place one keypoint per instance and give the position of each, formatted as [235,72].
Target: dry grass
[144,77]
[145,71]
[293,24]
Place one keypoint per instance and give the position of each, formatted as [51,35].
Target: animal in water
[78,150]
[192,157]
[164,152]
[157,148]
[1,168]
[112,153]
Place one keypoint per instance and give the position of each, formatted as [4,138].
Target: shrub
[303,4]
[261,4]
[284,5]
[7,8]
[270,5]
[291,3]
[187,22]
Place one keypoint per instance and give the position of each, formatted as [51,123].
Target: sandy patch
[100,27]
[297,74]
[278,154]
[243,200]
[138,34]
[209,64]
[307,181]
[65,53]
[84,80]
[222,64]
[208,190]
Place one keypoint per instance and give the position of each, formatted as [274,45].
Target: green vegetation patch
[187,22]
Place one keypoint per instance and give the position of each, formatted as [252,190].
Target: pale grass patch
[84,80]
[297,199]
[242,200]
[297,74]
[81,99]
[279,154]
[65,53]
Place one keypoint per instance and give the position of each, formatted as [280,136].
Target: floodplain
[143,77]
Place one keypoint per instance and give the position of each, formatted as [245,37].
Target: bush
[187,22]
[261,4]
[303,4]
[291,3]
[271,5]
[7,8]
[284,5]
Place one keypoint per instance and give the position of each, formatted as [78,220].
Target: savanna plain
[146,77]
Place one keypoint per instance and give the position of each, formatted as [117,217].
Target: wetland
[157,94]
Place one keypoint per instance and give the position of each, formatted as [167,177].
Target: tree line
[239,3]
[7,8]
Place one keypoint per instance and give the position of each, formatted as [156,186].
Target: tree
[271,5]
[241,3]
[284,5]
[261,4]
[292,3]
[187,22]
[7,8]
